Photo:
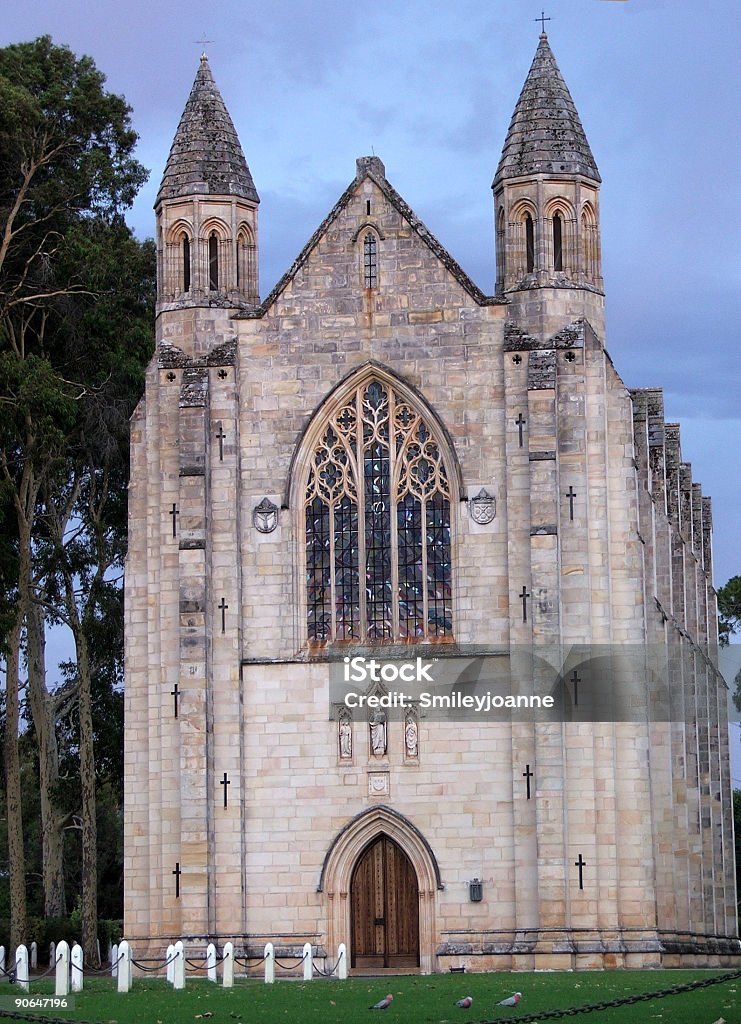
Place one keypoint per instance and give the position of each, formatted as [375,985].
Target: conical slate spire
[545,135]
[206,157]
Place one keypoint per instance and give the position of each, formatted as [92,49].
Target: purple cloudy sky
[430,87]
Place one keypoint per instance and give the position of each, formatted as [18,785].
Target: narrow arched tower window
[529,244]
[246,265]
[377,520]
[370,261]
[185,259]
[557,242]
[213,262]
[500,248]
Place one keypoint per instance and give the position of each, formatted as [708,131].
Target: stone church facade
[381,459]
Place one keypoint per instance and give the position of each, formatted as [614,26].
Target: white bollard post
[308,962]
[342,961]
[76,968]
[170,969]
[21,968]
[178,977]
[61,977]
[124,966]
[211,961]
[97,950]
[34,956]
[269,955]
[114,960]
[2,959]
[228,965]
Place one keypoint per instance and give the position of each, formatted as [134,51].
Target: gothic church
[380,458]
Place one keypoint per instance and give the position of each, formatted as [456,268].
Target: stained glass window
[377,514]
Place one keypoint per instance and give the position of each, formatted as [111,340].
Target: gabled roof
[206,157]
[545,135]
[372,167]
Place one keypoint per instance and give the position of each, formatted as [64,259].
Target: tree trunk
[16,853]
[44,721]
[87,783]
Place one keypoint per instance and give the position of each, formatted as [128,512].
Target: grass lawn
[417,1000]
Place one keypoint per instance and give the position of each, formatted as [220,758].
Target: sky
[430,88]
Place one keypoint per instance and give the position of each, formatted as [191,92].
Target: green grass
[417,1000]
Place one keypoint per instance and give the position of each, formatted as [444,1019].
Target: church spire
[545,134]
[207,208]
[546,194]
[206,157]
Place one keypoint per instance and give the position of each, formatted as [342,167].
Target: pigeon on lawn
[511,1001]
[383,1004]
[464,1003]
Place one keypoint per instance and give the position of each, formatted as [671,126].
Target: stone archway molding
[342,857]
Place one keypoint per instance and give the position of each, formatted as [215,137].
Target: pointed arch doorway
[384,908]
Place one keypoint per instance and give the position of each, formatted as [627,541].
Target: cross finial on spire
[203,42]
[542,19]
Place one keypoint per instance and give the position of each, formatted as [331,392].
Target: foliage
[729,610]
[76,316]
[45,930]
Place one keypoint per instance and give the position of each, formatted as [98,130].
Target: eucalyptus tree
[67,172]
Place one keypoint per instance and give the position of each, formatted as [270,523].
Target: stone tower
[546,196]
[379,458]
[206,209]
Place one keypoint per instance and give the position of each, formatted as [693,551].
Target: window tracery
[377,520]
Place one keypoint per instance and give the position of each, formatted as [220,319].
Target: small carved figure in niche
[345,737]
[378,734]
[411,736]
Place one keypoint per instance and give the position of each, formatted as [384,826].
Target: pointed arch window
[377,520]
[500,248]
[246,264]
[529,244]
[589,243]
[213,262]
[185,261]
[557,242]
[370,260]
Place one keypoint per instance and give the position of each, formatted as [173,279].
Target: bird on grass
[464,1003]
[511,1000]
[383,1004]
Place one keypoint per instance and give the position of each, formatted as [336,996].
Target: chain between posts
[643,997]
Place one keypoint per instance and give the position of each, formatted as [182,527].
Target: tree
[729,610]
[66,173]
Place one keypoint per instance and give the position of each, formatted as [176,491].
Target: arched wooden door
[384,902]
